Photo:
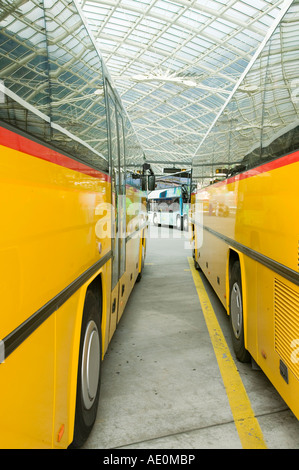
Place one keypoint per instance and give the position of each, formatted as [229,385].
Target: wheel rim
[178,223]
[90,364]
[185,224]
[236,310]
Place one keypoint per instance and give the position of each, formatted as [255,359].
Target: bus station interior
[202,89]
[171,393]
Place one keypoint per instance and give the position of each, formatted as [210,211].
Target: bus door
[115,199]
[122,216]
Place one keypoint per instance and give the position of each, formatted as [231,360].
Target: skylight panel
[176,34]
[214,32]
[246,8]
[238,15]
[164,43]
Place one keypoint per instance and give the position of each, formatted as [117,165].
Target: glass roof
[261,120]
[175,63]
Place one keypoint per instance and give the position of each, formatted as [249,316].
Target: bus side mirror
[143,183]
[151,182]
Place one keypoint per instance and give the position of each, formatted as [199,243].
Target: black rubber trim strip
[23,331]
[280,269]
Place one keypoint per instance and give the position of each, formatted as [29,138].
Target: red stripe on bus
[269,166]
[23,144]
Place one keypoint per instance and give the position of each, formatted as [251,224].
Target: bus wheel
[179,222]
[155,219]
[196,265]
[89,370]
[186,224]
[138,279]
[236,314]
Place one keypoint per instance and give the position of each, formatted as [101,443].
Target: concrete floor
[161,384]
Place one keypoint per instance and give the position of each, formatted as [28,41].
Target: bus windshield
[170,206]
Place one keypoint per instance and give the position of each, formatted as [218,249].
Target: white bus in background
[169,207]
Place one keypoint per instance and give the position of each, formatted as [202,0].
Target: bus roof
[165,193]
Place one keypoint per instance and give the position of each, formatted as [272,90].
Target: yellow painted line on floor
[247,425]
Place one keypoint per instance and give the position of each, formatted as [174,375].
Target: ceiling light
[190,83]
[160,76]
[248,88]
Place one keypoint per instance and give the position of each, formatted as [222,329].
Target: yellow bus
[246,227]
[73,232]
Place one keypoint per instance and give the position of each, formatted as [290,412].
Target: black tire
[138,279]
[89,378]
[179,223]
[196,265]
[236,314]
[185,224]
[155,220]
